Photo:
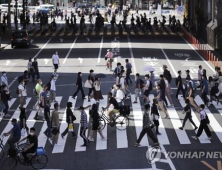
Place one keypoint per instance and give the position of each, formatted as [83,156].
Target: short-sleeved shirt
[16,131]
[206,86]
[113,101]
[55,59]
[44,95]
[46,110]
[38,87]
[68,114]
[23,89]
[33,140]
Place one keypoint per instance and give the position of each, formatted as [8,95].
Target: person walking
[36,68]
[147,128]
[187,111]
[166,73]
[70,118]
[53,89]
[148,87]
[97,90]
[23,120]
[55,125]
[84,125]
[191,95]
[38,89]
[139,85]
[205,90]
[4,79]
[95,123]
[22,93]
[155,115]
[179,84]
[163,88]
[47,132]
[204,121]
[91,80]
[79,86]
[55,61]
[200,73]
[128,71]
[109,56]
[161,101]
[5,96]
[168,91]
[31,70]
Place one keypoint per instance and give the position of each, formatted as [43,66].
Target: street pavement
[82,53]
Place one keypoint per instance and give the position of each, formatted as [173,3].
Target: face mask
[31,133]
[146,78]
[4,74]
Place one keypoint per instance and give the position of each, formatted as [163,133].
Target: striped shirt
[83,120]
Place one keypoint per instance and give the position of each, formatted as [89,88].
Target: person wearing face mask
[15,133]
[55,61]
[53,89]
[38,89]
[148,88]
[36,68]
[22,93]
[204,121]
[79,86]
[91,82]
[31,70]
[5,95]
[4,79]
[32,147]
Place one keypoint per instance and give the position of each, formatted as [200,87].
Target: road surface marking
[42,48]
[131,55]
[74,42]
[10,103]
[100,50]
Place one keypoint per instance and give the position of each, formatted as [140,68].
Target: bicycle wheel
[39,161]
[102,123]
[9,163]
[122,122]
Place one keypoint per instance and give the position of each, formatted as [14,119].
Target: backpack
[150,86]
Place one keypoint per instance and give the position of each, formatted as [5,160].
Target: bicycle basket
[124,110]
[40,151]
[12,152]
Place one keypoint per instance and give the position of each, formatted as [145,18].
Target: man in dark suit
[179,84]
[79,86]
[163,87]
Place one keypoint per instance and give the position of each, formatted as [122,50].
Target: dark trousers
[90,91]
[156,123]
[128,78]
[83,135]
[164,98]
[180,88]
[204,97]
[48,129]
[5,111]
[67,129]
[12,141]
[37,74]
[24,154]
[149,133]
[190,119]
[32,74]
[77,91]
[203,126]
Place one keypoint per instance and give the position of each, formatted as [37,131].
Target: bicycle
[38,160]
[121,121]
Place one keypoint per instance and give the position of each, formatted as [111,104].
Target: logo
[153,154]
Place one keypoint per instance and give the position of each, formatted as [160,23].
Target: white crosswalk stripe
[10,103]
[121,136]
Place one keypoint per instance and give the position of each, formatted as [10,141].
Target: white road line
[132,56]
[9,125]
[138,120]
[10,103]
[42,138]
[182,135]
[63,126]
[74,42]
[213,122]
[79,140]
[161,48]
[163,138]
[102,145]
[198,54]
[203,137]
[100,50]
[42,48]
[163,150]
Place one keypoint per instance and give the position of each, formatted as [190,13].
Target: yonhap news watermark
[154,154]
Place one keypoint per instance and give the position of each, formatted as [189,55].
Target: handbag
[87,84]
[23,132]
[70,127]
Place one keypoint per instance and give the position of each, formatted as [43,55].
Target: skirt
[98,95]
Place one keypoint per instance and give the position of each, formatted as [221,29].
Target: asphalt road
[82,54]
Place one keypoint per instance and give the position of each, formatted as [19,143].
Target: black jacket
[79,82]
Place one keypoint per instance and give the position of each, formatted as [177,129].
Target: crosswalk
[121,137]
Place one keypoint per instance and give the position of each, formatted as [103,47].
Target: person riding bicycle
[112,101]
[33,144]
[16,134]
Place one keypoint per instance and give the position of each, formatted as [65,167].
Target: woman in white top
[53,89]
[22,93]
[31,70]
[168,91]
[97,91]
